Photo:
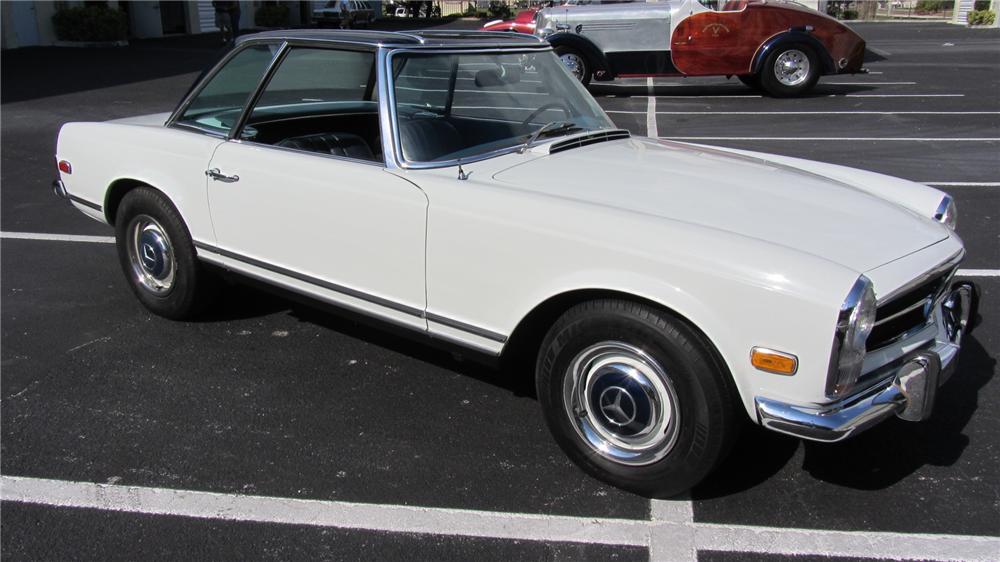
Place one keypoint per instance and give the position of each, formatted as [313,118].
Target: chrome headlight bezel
[947,212]
[854,324]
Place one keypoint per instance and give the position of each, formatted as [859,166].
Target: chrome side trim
[84,202]
[406,309]
[458,325]
[360,295]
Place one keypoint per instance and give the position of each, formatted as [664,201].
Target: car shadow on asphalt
[874,460]
[246,298]
[735,89]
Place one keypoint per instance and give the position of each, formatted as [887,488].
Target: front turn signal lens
[772,361]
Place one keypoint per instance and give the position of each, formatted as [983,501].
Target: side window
[320,100]
[218,105]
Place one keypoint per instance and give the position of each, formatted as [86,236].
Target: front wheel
[635,397]
[158,257]
[790,70]
[576,63]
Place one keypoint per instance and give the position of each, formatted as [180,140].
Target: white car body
[754,250]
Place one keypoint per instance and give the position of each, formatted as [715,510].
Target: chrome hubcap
[622,403]
[791,68]
[151,255]
[575,65]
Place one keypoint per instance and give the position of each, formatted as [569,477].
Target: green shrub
[271,15]
[90,23]
[980,5]
[929,6]
[849,15]
[981,17]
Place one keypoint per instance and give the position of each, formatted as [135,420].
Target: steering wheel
[550,105]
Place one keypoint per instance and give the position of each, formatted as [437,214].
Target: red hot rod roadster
[775,45]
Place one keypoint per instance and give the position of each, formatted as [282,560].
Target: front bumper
[907,389]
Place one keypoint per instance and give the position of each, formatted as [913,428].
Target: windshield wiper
[549,128]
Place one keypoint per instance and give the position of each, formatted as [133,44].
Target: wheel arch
[792,36]
[601,69]
[119,188]
[524,342]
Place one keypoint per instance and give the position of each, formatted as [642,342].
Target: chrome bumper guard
[908,390]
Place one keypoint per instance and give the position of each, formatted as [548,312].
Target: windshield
[452,106]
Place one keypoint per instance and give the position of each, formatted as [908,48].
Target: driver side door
[300,198]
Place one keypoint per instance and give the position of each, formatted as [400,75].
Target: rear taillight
[65,167]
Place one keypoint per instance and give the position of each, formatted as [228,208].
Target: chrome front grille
[908,311]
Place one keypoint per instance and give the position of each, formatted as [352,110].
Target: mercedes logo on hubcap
[148,256]
[617,405]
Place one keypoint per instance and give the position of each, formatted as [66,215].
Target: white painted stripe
[828,96]
[57,237]
[963,183]
[670,538]
[651,129]
[670,534]
[879,139]
[978,272]
[321,513]
[853,544]
[771,113]
[869,83]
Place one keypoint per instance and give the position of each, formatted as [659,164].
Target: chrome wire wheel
[151,255]
[791,68]
[622,403]
[576,65]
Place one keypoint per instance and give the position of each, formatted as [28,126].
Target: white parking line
[879,139]
[670,534]
[651,130]
[772,113]
[978,273]
[962,183]
[869,83]
[58,237]
[826,96]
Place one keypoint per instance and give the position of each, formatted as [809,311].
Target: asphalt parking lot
[380,447]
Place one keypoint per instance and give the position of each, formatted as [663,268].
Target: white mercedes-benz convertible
[466,187]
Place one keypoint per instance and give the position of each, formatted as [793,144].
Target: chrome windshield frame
[391,144]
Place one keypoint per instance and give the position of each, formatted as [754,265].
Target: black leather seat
[427,139]
[336,144]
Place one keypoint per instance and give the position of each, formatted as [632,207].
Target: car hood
[745,195]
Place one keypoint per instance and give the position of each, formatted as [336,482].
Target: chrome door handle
[216,175]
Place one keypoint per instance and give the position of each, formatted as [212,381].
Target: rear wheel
[576,62]
[635,397]
[789,70]
[158,257]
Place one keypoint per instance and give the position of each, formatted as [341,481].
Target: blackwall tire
[158,257]
[636,397]
[790,70]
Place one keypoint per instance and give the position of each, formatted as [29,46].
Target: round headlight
[947,212]
[857,319]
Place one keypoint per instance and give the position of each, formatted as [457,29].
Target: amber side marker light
[773,361]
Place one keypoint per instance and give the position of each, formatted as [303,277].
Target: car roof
[405,39]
